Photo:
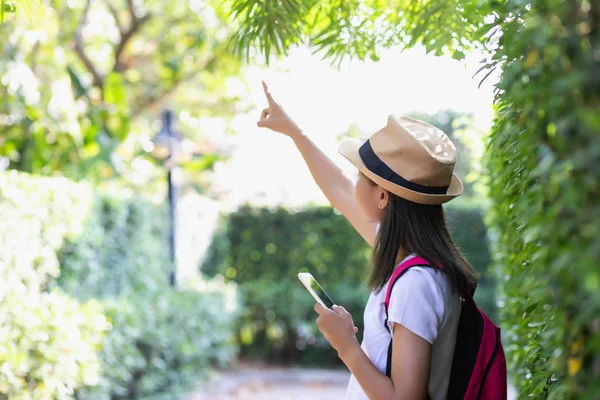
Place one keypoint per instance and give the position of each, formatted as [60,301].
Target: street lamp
[167,148]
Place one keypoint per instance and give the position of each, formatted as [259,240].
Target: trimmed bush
[280,243]
[160,344]
[466,220]
[49,344]
[264,249]
[38,215]
[162,340]
[278,321]
[123,248]
[113,254]
[48,341]
[543,161]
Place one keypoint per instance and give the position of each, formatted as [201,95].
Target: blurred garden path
[279,383]
[275,383]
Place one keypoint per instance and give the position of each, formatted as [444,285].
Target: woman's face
[370,197]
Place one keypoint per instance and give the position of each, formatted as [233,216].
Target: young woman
[405,175]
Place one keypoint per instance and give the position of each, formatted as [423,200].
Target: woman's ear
[384,198]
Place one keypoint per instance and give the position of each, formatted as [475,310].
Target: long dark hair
[409,228]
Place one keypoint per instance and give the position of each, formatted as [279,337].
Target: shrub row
[48,341]
[264,249]
[85,306]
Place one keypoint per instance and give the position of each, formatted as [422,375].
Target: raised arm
[338,189]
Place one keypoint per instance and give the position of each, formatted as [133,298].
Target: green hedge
[109,326]
[48,345]
[466,220]
[48,341]
[264,249]
[123,248]
[161,345]
[543,161]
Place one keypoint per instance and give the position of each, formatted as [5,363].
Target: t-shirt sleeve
[417,304]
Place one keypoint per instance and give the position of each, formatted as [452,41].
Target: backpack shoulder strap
[402,268]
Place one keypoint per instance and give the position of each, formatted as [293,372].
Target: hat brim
[349,149]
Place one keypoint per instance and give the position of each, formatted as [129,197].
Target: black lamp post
[167,148]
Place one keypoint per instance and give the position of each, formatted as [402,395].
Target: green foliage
[280,243]
[77,77]
[544,183]
[357,28]
[216,259]
[6,7]
[264,249]
[162,340]
[278,320]
[48,345]
[11,7]
[37,216]
[466,220]
[48,341]
[542,161]
[162,352]
[122,236]
[111,252]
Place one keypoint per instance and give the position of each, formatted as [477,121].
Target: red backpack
[479,365]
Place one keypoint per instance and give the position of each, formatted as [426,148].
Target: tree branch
[135,25]
[131,8]
[157,98]
[34,55]
[115,15]
[98,80]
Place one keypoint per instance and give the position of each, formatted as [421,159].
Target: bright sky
[266,168]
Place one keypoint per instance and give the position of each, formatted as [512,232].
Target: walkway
[274,383]
[279,383]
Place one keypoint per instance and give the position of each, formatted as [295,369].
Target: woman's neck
[402,254]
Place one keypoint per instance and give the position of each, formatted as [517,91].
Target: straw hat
[410,158]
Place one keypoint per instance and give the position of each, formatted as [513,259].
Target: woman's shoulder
[419,301]
[421,279]
[430,274]
[425,282]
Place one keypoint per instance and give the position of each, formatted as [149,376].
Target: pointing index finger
[267,93]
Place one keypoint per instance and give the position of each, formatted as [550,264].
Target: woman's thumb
[264,117]
[262,123]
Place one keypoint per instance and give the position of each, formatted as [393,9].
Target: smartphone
[313,287]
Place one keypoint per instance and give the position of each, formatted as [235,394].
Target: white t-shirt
[422,301]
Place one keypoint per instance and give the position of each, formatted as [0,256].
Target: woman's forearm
[377,386]
[338,189]
[328,176]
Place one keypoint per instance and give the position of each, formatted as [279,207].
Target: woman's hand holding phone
[333,320]
[338,328]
